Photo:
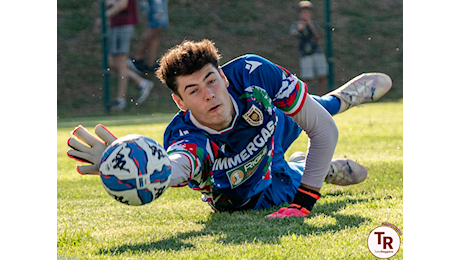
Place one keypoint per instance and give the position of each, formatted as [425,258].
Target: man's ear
[179,103]
[224,77]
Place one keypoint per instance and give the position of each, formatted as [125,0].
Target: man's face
[305,15]
[205,94]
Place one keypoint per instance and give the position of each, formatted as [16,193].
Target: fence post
[329,55]
[105,66]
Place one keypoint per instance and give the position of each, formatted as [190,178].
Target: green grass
[91,225]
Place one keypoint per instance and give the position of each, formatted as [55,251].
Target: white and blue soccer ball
[135,170]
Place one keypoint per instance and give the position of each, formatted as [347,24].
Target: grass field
[91,225]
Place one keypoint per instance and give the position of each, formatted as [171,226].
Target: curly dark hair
[185,59]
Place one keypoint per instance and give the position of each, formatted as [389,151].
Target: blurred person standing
[313,64]
[123,17]
[144,60]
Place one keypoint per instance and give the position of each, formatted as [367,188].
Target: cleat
[345,172]
[341,172]
[118,104]
[145,87]
[138,66]
[365,88]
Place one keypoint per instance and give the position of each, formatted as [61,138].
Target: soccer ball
[135,170]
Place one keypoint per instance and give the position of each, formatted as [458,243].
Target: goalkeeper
[236,122]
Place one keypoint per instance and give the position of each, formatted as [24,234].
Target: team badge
[254,116]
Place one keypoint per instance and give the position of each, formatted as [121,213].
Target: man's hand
[301,25]
[292,211]
[301,206]
[90,149]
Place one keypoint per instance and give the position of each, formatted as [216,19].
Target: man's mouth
[214,108]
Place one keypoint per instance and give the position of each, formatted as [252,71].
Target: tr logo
[387,241]
[384,242]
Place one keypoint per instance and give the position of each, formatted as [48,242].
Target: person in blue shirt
[237,120]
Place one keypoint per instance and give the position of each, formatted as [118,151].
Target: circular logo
[383,242]
[237,177]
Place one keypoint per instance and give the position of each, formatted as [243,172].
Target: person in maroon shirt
[123,17]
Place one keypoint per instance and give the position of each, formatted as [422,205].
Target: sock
[305,198]
[329,102]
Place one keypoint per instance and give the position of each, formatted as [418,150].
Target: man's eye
[193,91]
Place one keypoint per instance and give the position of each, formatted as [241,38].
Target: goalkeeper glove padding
[88,148]
[301,206]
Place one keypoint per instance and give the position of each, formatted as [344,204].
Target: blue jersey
[232,165]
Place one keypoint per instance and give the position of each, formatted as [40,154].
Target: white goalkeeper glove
[90,151]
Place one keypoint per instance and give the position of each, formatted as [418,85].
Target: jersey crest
[254,116]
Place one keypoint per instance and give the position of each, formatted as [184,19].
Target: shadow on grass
[251,227]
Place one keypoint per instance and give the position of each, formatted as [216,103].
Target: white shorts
[119,39]
[313,66]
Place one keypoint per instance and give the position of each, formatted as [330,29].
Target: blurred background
[367,36]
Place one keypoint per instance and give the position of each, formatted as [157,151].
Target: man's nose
[209,94]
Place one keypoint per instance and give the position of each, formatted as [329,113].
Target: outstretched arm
[181,170]
[323,135]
